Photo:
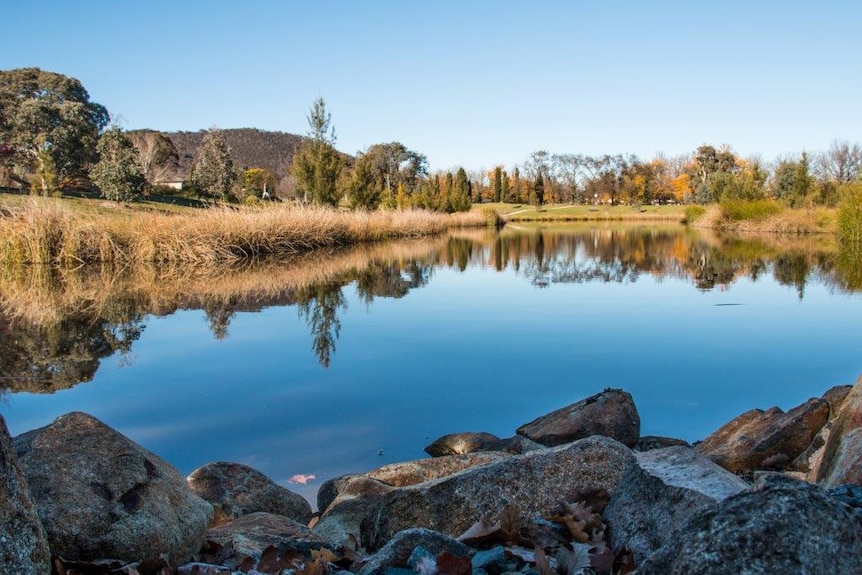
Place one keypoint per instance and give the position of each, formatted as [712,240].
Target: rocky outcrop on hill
[98,494]
[235,490]
[611,413]
[23,543]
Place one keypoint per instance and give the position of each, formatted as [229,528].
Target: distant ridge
[250,148]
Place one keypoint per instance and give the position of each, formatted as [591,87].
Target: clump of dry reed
[45,231]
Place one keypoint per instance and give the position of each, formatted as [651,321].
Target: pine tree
[317,166]
[118,172]
[504,187]
[363,190]
[498,183]
[459,193]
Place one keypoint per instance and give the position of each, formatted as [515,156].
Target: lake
[341,361]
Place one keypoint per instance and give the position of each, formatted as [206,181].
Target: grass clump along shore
[51,231]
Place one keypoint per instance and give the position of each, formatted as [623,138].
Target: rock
[397,551]
[250,534]
[611,413]
[536,482]
[848,494]
[460,443]
[235,490]
[782,526]
[98,494]
[472,442]
[838,458]
[648,442]
[660,491]
[760,439]
[353,511]
[407,473]
[23,543]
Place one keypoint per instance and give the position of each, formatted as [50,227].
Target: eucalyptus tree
[49,123]
[118,173]
[213,173]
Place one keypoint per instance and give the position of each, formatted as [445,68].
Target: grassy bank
[767,217]
[56,231]
[580,213]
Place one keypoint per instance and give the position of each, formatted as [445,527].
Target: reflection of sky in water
[473,351]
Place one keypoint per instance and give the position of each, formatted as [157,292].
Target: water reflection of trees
[57,326]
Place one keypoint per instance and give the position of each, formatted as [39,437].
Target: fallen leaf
[450,564]
[573,561]
[270,562]
[301,478]
[624,561]
[602,560]
[543,564]
[483,533]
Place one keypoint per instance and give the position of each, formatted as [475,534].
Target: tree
[498,184]
[118,173]
[842,164]
[213,172]
[157,155]
[504,188]
[363,191]
[48,117]
[259,181]
[317,165]
[791,181]
[538,196]
[459,193]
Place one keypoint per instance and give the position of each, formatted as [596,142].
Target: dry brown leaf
[543,564]
[624,561]
[270,562]
[450,564]
[483,532]
[602,560]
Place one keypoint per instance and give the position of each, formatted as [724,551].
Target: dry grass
[788,221]
[44,230]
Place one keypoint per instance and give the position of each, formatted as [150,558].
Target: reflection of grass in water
[44,295]
[849,268]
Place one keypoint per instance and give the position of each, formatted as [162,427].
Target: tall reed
[46,231]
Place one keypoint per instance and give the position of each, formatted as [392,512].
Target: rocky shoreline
[575,491]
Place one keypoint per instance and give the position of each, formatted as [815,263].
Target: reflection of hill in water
[58,324]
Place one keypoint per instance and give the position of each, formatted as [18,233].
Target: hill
[250,148]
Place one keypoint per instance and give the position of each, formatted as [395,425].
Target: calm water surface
[344,361]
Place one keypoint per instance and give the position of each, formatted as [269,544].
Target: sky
[467,83]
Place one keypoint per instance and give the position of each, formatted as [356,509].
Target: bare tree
[842,163]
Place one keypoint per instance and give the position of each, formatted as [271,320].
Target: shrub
[693,213]
[737,210]
[850,216]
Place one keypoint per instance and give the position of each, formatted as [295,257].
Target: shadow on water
[56,325]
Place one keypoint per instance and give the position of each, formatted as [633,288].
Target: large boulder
[23,543]
[471,442]
[404,474]
[235,490]
[837,460]
[782,526]
[659,492]
[250,535]
[98,494]
[397,552]
[354,510]
[760,439]
[537,482]
[611,413]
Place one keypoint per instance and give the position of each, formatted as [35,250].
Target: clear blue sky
[472,83]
